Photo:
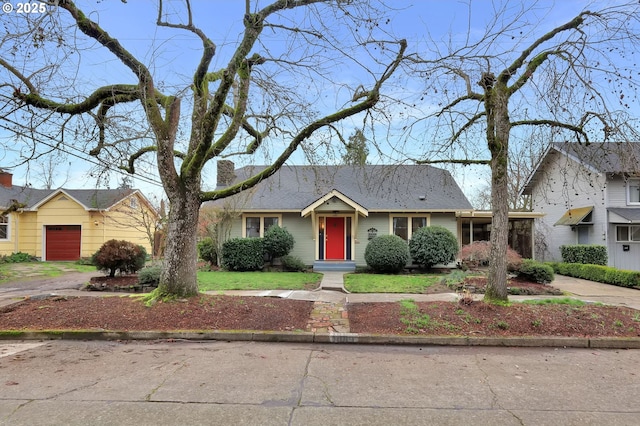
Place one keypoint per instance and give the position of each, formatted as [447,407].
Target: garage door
[62,242]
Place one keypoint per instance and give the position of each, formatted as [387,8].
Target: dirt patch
[481,319]
[204,312]
[515,286]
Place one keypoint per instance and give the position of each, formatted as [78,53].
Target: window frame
[6,223]
[630,233]
[262,217]
[636,184]
[409,218]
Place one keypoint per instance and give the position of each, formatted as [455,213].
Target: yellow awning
[574,216]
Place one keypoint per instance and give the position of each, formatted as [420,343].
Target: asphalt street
[252,383]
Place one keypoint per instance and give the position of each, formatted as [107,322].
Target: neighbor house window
[4,227]
[627,233]
[405,226]
[256,226]
[633,191]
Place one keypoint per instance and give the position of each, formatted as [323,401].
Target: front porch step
[334,265]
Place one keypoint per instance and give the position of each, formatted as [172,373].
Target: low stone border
[336,338]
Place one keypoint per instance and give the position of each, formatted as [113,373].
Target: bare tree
[265,96]
[522,159]
[577,79]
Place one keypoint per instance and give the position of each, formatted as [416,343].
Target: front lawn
[222,280]
[380,283]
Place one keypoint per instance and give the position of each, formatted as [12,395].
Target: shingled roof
[90,199]
[374,187]
[607,157]
[600,157]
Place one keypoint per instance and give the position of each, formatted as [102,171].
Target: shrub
[293,264]
[536,271]
[18,257]
[119,255]
[583,253]
[277,242]
[599,273]
[243,254]
[150,275]
[477,254]
[208,251]
[387,254]
[432,245]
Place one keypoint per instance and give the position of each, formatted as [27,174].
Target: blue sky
[172,53]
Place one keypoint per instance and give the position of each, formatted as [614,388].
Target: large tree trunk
[497,279]
[179,276]
[498,129]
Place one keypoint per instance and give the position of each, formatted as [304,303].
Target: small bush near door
[433,245]
[387,254]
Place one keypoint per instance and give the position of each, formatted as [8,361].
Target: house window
[133,203]
[633,191]
[256,226]
[4,227]
[405,226]
[626,233]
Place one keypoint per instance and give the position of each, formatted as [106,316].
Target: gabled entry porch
[334,221]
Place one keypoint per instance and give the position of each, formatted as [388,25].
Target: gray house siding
[575,175]
[564,184]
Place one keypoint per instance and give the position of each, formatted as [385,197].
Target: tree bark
[498,129]
[179,275]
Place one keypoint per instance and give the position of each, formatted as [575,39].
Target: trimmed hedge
[277,242]
[536,271]
[584,253]
[387,254]
[243,254]
[598,273]
[432,245]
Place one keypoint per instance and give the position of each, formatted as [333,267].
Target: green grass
[563,301]
[221,281]
[380,283]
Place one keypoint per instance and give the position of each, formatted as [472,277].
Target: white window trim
[409,222]
[628,187]
[628,233]
[261,216]
[8,225]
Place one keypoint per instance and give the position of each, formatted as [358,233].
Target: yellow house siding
[9,245]
[122,222]
[27,234]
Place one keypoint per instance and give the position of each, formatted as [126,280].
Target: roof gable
[89,199]
[604,157]
[337,194]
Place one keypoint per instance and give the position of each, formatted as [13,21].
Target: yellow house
[66,224]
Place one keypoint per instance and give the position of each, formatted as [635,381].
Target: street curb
[335,338]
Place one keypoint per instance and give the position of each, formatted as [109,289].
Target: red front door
[335,238]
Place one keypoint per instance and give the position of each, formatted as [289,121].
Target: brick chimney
[6,179]
[226,172]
